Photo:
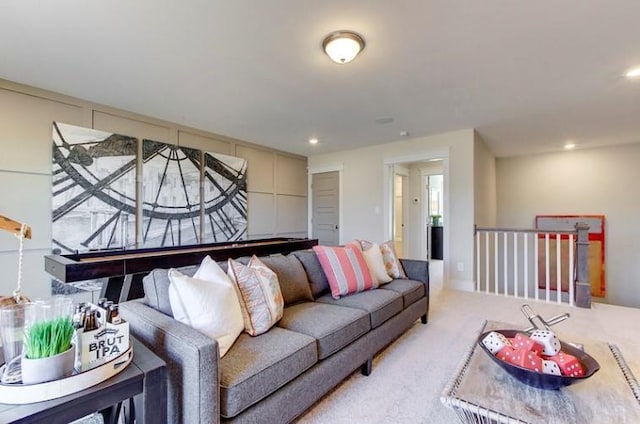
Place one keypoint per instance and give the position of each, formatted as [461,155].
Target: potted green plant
[436,220]
[47,352]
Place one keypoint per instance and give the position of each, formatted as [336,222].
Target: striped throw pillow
[259,292]
[345,268]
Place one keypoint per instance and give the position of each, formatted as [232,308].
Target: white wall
[276,180]
[485,184]
[363,194]
[595,181]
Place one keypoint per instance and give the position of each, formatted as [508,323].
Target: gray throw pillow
[291,276]
[156,287]
[315,274]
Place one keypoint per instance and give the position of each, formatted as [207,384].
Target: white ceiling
[528,75]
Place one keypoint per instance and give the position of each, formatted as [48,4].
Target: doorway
[400,187]
[434,205]
[415,212]
[325,208]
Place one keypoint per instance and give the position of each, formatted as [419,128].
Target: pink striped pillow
[345,268]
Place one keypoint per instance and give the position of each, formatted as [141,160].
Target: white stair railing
[534,264]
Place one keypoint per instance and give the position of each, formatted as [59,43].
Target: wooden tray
[20,394]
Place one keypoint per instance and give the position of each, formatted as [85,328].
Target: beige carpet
[407,380]
[409,376]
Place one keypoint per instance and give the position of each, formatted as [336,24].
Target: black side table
[143,384]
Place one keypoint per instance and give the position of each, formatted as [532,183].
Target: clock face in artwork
[172,206]
[94,195]
[188,197]
[225,198]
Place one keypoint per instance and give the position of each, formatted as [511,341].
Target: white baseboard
[461,285]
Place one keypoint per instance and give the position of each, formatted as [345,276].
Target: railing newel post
[583,285]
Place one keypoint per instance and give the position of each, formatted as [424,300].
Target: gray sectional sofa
[276,376]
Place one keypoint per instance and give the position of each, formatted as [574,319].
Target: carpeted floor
[407,380]
[409,376]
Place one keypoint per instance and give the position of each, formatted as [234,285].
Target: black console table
[437,242]
[143,384]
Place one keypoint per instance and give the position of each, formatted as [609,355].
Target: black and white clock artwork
[185,196]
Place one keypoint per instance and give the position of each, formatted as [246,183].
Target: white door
[400,189]
[325,207]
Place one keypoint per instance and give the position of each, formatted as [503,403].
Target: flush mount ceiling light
[343,46]
[633,73]
[313,140]
[569,145]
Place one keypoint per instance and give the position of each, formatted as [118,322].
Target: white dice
[550,367]
[548,340]
[495,342]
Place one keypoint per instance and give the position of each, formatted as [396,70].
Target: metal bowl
[541,380]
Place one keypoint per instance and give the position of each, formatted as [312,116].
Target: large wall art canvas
[94,189]
[225,198]
[170,194]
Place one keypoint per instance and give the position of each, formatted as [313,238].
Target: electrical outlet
[460,266]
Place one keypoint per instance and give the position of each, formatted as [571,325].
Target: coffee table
[480,391]
[142,386]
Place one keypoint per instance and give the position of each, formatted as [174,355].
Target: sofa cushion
[411,290]
[316,276]
[291,276]
[259,293]
[380,304]
[255,367]
[156,287]
[345,268]
[332,326]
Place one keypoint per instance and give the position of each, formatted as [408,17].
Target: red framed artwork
[596,250]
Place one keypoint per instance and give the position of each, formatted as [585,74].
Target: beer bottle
[114,315]
[78,315]
[90,321]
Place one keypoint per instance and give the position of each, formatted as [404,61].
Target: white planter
[48,369]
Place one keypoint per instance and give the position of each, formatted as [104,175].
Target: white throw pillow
[375,263]
[209,306]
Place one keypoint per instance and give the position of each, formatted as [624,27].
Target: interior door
[325,208]
[399,212]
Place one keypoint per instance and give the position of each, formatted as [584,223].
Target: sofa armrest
[192,362]
[419,271]
[416,270]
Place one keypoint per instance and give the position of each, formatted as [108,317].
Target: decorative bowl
[541,380]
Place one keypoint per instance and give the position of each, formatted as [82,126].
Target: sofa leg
[423,318]
[365,369]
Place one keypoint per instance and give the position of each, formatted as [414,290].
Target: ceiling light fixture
[313,141]
[570,146]
[343,46]
[633,73]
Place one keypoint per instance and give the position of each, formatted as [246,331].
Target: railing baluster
[505,265]
[547,272]
[478,262]
[486,265]
[570,271]
[515,264]
[536,264]
[525,264]
[496,270]
[558,268]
